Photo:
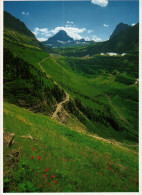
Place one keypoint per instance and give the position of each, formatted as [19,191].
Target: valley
[72,113]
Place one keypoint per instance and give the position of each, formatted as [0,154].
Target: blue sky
[92,20]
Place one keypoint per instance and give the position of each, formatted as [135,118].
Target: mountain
[59,39]
[120,27]
[62,39]
[60,36]
[15,24]
[16,31]
[123,42]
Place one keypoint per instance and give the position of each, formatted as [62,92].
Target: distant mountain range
[62,39]
[125,38]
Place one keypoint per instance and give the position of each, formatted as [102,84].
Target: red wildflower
[46,170]
[53,176]
[33,148]
[41,186]
[99,173]
[32,157]
[56,181]
[44,175]
[39,158]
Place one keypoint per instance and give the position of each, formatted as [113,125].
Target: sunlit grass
[76,160]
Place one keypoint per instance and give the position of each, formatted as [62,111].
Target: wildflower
[32,157]
[53,176]
[33,148]
[56,181]
[46,170]
[44,175]
[99,173]
[41,186]
[39,158]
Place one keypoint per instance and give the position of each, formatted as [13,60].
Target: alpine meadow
[71,96]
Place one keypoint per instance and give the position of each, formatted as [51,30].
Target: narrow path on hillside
[117,111]
[60,105]
[42,67]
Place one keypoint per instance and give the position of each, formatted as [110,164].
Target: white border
[1,104]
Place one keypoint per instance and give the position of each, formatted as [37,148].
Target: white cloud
[74,32]
[87,38]
[102,3]
[105,25]
[90,31]
[25,13]
[68,22]
[71,31]
[133,24]
[42,31]
[41,39]
[95,38]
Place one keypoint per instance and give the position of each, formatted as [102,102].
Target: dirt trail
[42,67]
[60,105]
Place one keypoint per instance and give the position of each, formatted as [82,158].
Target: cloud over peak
[73,32]
[102,3]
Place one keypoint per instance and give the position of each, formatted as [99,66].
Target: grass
[92,91]
[23,52]
[76,160]
[59,158]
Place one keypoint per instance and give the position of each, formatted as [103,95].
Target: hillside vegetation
[60,159]
[73,121]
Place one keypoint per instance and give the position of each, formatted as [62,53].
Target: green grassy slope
[103,102]
[16,31]
[26,86]
[24,82]
[75,161]
[95,95]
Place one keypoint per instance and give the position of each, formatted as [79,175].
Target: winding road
[60,105]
